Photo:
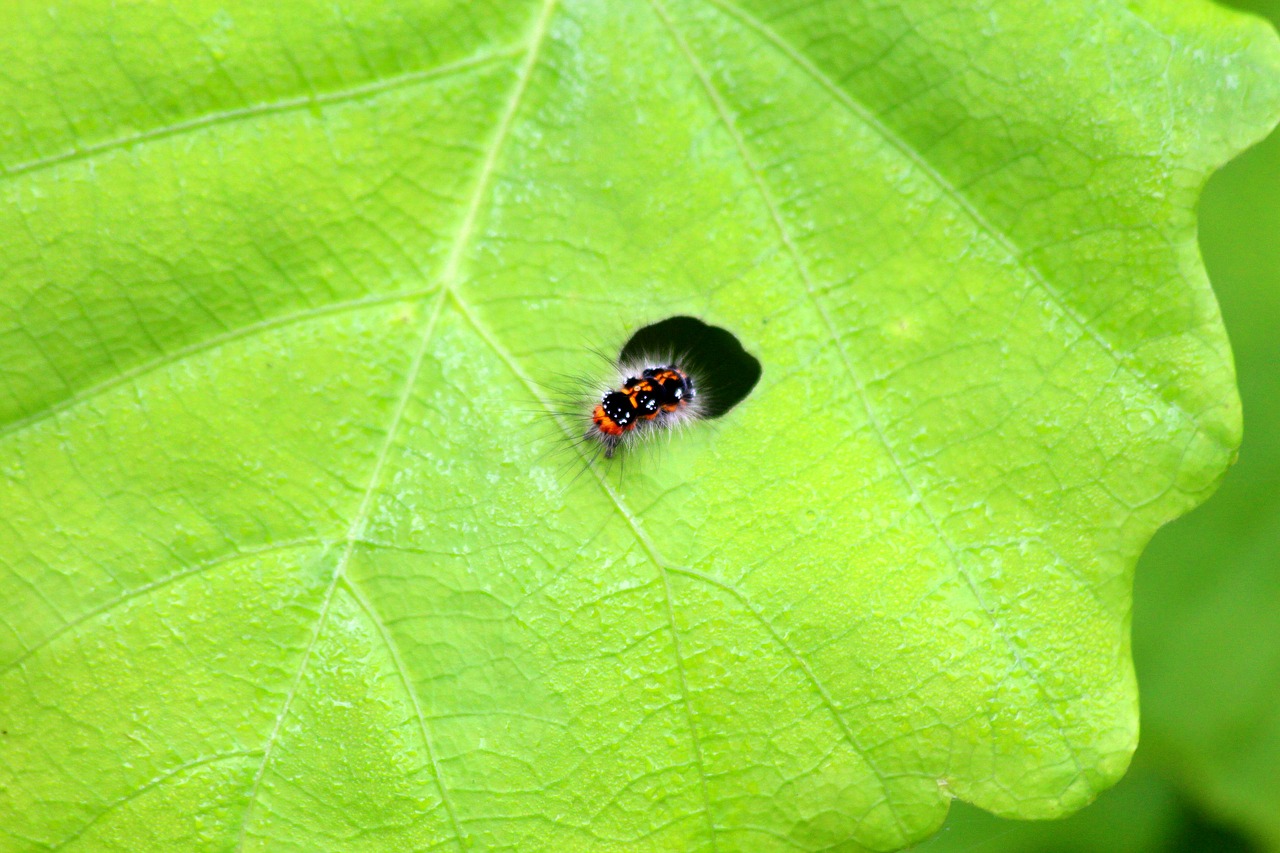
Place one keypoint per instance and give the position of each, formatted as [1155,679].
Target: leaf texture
[289,564]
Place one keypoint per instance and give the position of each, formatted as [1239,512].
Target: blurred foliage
[1207,603]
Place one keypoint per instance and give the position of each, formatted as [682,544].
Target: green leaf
[287,565]
[1206,602]
[1207,612]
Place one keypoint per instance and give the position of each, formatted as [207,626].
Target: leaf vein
[154,783]
[310,100]
[149,588]
[209,344]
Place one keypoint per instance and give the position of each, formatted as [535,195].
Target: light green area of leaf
[1208,603]
[1208,590]
[287,563]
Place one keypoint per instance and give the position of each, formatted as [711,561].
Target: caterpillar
[648,398]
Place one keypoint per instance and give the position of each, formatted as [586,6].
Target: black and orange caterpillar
[649,397]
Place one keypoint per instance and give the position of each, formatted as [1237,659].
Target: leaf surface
[1208,594]
[1206,598]
[287,563]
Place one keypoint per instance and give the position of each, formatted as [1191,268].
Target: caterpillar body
[646,398]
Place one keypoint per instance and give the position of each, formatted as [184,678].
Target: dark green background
[1206,623]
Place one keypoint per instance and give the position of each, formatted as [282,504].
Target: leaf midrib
[533,43]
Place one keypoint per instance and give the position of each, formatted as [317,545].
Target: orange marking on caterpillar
[652,398]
